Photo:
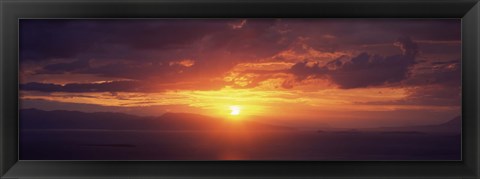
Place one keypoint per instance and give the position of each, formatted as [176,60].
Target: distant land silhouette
[62,119]
[453,126]
[73,135]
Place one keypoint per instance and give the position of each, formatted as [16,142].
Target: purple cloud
[364,69]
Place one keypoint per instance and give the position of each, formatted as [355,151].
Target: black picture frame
[12,10]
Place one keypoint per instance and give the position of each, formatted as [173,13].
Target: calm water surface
[197,145]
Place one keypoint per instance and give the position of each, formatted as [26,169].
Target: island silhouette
[74,135]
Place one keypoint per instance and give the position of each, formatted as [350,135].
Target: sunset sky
[299,72]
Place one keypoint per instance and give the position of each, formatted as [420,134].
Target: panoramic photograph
[240,89]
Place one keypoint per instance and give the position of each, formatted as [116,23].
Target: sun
[234,110]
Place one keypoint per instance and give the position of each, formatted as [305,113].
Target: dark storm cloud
[354,32]
[116,86]
[364,69]
[40,40]
[451,76]
[143,86]
[422,29]
[436,95]
[454,62]
[141,50]
[408,47]
[258,38]
[133,71]
[432,95]
[66,67]
[302,70]
[129,39]
[447,74]
[47,39]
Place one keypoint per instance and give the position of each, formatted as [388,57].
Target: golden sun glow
[234,110]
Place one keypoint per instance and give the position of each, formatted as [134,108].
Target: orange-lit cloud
[185,63]
[304,69]
[238,25]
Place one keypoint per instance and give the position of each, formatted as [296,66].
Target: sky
[299,72]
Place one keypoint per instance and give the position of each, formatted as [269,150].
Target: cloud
[151,110]
[302,70]
[184,62]
[408,47]
[159,51]
[437,85]
[427,95]
[446,62]
[238,25]
[445,73]
[66,67]
[145,49]
[363,70]
[436,95]
[114,86]
[49,39]
[143,86]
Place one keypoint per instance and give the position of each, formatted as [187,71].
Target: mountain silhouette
[452,126]
[455,122]
[61,119]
